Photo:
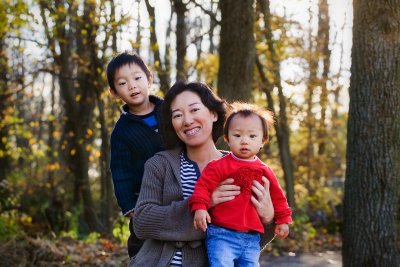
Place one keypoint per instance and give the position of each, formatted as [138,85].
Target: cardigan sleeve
[154,219]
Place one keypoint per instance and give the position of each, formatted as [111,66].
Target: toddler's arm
[201,218]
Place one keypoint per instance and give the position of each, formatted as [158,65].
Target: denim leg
[223,246]
[251,251]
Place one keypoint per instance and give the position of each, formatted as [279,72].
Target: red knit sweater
[238,214]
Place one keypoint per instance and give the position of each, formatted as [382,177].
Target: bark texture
[236,50]
[373,141]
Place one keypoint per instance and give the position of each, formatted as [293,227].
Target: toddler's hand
[282,230]
[201,218]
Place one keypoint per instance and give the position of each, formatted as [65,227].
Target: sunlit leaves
[207,68]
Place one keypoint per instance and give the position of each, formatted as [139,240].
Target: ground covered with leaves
[67,251]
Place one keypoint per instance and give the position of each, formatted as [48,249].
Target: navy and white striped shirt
[189,172]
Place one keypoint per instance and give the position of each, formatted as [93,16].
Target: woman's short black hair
[213,102]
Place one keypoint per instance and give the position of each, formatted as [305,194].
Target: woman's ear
[215,116]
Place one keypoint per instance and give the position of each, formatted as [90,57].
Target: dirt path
[322,259]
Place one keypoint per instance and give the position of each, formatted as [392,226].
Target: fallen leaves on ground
[65,251]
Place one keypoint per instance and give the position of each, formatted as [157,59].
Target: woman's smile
[192,131]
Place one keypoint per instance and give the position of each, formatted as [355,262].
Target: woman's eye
[176,116]
[195,109]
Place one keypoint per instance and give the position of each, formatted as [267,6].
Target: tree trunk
[323,48]
[162,72]
[106,189]
[212,49]
[4,97]
[236,50]
[312,83]
[373,140]
[78,97]
[114,27]
[281,127]
[180,9]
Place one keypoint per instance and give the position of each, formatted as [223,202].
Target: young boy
[135,136]
[234,235]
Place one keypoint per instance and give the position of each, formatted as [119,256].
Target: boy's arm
[125,174]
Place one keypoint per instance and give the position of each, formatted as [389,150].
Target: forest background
[291,57]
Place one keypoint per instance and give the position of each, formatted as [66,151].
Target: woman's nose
[188,120]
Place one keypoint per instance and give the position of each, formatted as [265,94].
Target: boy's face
[245,136]
[132,86]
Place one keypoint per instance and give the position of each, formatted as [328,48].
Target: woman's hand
[226,191]
[262,201]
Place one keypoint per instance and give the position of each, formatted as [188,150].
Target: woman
[193,121]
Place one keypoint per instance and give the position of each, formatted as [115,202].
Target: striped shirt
[189,172]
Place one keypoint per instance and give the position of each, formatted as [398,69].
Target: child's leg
[250,255]
[223,246]
[134,243]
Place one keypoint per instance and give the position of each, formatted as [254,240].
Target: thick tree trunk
[373,140]
[236,50]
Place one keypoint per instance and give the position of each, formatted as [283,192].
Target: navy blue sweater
[133,142]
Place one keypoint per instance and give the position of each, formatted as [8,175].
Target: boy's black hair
[207,97]
[121,60]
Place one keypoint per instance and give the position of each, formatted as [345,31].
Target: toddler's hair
[246,110]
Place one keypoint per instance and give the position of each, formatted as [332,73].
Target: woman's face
[192,120]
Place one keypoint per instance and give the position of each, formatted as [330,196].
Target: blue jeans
[228,248]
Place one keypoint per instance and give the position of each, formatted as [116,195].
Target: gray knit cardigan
[162,217]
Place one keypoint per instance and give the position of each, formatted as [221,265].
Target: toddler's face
[245,136]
